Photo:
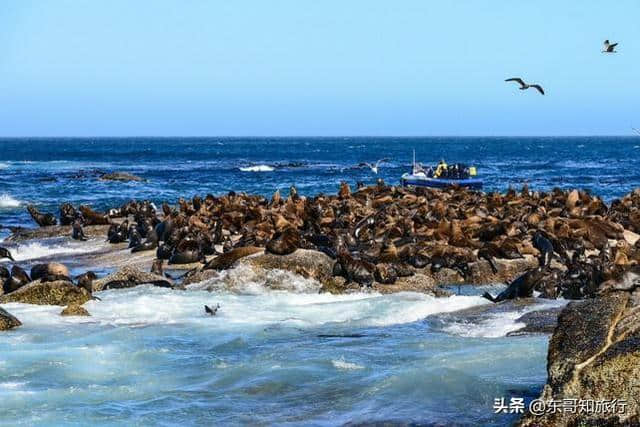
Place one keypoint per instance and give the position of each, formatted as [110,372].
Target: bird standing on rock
[525,86]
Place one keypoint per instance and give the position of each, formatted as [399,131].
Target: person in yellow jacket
[442,166]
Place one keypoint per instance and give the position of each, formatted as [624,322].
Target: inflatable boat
[420,179]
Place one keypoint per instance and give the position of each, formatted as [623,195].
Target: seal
[85,281]
[43,220]
[150,243]
[92,217]
[77,232]
[68,214]
[18,279]
[544,245]
[186,252]
[354,270]
[385,273]
[50,272]
[4,253]
[226,260]
[284,243]
[522,287]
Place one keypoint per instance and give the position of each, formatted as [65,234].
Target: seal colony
[377,235]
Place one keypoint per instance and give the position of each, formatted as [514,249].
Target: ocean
[150,355]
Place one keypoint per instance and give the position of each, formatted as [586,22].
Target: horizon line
[313,136]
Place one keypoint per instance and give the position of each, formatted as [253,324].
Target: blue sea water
[150,356]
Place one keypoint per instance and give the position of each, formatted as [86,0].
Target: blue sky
[166,68]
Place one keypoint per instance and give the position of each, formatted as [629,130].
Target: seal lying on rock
[522,287]
[284,243]
[43,220]
[50,272]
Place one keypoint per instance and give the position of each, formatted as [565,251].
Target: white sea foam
[6,201]
[4,166]
[35,250]
[344,365]
[497,325]
[258,168]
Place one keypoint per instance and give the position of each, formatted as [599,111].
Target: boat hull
[418,181]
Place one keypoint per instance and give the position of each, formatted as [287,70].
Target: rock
[58,292]
[199,275]
[121,176]
[594,353]
[7,320]
[127,277]
[307,263]
[538,322]
[74,310]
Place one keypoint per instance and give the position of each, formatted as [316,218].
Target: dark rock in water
[121,176]
[50,293]
[7,320]
[538,322]
[74,310]
[128,277]
[594,354]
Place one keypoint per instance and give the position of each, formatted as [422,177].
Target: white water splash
[35,250]
[6,201]
[344,365]
[258,168]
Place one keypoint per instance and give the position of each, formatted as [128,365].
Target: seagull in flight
[525,86]
[609,47]
[374,168]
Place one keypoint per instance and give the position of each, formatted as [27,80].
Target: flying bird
[211,311]
[525,86]
[373,167]
[609,47]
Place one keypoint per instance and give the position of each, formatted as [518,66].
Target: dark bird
[609,47]
[525,86]
[211,311]
[373,167]
[4,253]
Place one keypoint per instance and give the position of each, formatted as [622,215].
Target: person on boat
[440,169]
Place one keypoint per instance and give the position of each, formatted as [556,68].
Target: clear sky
[303,67]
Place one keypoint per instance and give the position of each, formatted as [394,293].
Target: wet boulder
[74,310]
[58,292]
[7,320]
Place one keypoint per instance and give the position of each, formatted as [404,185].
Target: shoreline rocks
[594,354]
